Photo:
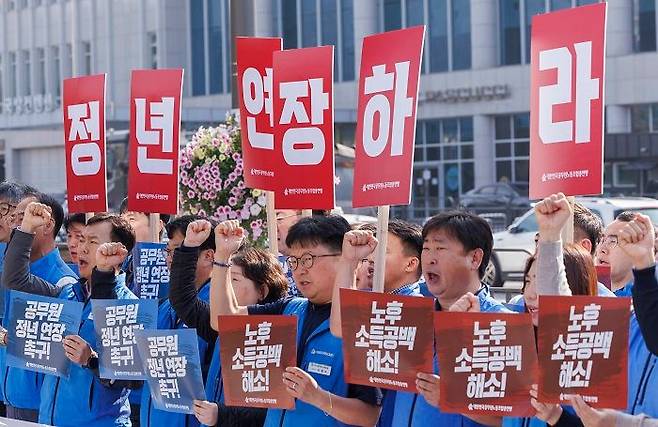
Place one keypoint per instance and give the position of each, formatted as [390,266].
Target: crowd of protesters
[214,271]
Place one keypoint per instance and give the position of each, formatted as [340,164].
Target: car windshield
[652,213]
[528,224]
[521,189]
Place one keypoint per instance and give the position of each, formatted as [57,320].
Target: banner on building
[488,362]
[255,352]
[386,117]
[155,115]
[386,340]
[84,142]
[115,322]
[583,349]
[567,79]
[37,326]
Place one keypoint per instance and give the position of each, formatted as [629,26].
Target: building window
[27,73]
[644,25]
[68,71]
[13,75]
[644,118]
[517,14]
[40,78]
[449,27]
[512,147]
[1,84]
[86,59]
[22,4]
[211,57]
[309,23]
[56,70]
[10,5]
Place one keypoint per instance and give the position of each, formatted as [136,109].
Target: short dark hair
[626,216]
[180,224]
[74,218]
[319,230]
[262,268]
[124,208]
[587,225]
[470,230]
[122,231]
[409,233]
[57,211]
[14,192]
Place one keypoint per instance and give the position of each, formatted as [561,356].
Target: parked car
[513,246]
[508,199]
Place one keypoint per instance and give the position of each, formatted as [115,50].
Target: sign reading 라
[84,141]
[304,126]
[155,107]
[566,101]
[386,126]
[254,62]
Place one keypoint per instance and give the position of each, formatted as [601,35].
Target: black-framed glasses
[306,260]
[610,241]
[5,208]
[367,261]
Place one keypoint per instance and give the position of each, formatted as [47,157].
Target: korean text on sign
[383,342]
[151,272]
[254,353]
[37,326]
[583,349]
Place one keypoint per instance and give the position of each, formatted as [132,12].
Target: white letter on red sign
[85,126]
[162,123]
[251,79]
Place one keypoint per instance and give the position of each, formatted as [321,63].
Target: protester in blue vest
[456,250]
[82,399]
[257,279]
[621,266]
[317,383]
[73,225]
[402,272]
[22,387]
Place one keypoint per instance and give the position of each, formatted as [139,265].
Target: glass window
[461,35]
[86,57]
[560,4]
[215,46]
[521,170]
[329,22]
[468,177]
[27,72]
[198,48]
[522,125]
[625,177]
[414,12]
[510,32]
[528,224]
[466,128]
[503,170]
[584,2]
[309,24]
[512,147]
[40,70]
[532,8]
[640,121]
[450,130]
[438,29]
[503,128]
[347,30]
[654,118]
[503,149]
[289,23]
[392,15]
[645,25]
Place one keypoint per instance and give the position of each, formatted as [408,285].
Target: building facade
[473,113]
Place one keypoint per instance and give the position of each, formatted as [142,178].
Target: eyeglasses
[610,241]
[306,260]
[367,261]
[5,208]
[282,217]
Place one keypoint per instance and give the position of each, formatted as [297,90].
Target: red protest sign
[386,123]
[566,101]
[84,140]
[155,105]
[254,63]
[603,275]
[304,128]
[583,349]
[487,362]
[386,340]
[254,353]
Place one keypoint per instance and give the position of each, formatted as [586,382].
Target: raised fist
[197,233]
[468,303]
[357,245]
[637,239]
[228,239]
[552,214]
[36,215]
[110,256]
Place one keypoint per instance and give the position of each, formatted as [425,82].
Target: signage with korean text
[255,352]
[567,77]
[304,128]
[155,108]
[115,322]
[254,63]
[487,361]
[84,142]
[150,270]
[583,349]
[386,117]
[37,326]
[386,338]
[170,360]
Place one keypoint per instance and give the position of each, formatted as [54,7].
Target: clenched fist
[197,233]
[110,256]
[36,215]
[228,239]
[357,245]
[552,214]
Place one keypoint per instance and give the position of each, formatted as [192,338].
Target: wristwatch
[92,363]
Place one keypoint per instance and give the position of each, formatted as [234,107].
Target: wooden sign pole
[271,223]
[380,251]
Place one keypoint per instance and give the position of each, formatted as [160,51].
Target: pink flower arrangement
[212,184]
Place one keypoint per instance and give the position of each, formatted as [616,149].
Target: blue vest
[149,416]
[642,375]
[413,410]
[324,351]
[22,387]
[626,291]
[82,400]
[214,384]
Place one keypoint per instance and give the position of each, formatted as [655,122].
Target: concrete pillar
[483,150]
[484,36]
[366,18]
[620,28]
[265,24]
